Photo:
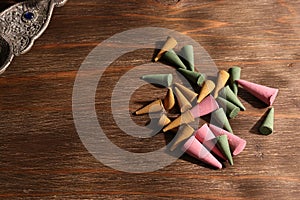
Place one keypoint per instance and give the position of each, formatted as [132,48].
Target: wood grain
[42,156]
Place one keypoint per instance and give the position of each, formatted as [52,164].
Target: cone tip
[166,129]
[219,165]
[273,97]
[234,112]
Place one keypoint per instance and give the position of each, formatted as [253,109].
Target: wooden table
[42,156]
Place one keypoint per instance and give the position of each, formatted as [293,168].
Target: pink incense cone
[205,107]
[236,143]
[194,148]
[264,93]
[205,136]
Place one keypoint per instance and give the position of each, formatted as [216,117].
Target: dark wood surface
[42,157]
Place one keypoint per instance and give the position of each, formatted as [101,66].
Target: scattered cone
[194,148]
[229,95]
[208,105]
[169,44]
[264,93]
[190,95]
[223,145]
[267,126]
[188,57]
[184,132]
[223,77]
[221,118]
[231,110]
[205,136]
[236,144]
[207,88]
[235,74]
[193,77]
[184,104]
[155,106]
[172,58]
[185,118]
[169,100]
[159,79]
[163,121]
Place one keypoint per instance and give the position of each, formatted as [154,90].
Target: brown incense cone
[155,106]
[184,104]
[163,121]
[190,95]
[223,77]
[184,132]
[169,100]
[169,44]
[207,88]
[185,118]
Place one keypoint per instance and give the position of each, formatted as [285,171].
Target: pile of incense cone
[213,143]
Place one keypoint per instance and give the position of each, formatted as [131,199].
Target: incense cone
[205,107]
[221,118]
[188,57]
[185,118]
[235,74]
[231,110]
[159,79]
[264,93]
[190,95]
[205,136]
[223,145]
[184,104]
[236,144]
[267,126]
[194,148]
[184,132]
[155,106]
[229,95]
[193,77]
[163,121]
[169,100]
[172,58]
[223,77]
[207,88]
[169,44]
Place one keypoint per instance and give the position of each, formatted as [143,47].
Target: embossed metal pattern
[21,25]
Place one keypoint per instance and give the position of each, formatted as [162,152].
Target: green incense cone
[267,127]
[223,145]
[235,74]
[193,77]
[231,110]
[159,79]
[171,58]
[229,95]
[187,53]
[221,118]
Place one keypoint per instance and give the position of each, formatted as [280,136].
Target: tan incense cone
[207,88]
[155,106]
[190,95]
[185,118]
[169,100]
[163,120]
[169,44]
[184,104]
[223,77]
[184,132]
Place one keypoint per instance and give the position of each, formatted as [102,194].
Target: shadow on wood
[255,128]
[255,102]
